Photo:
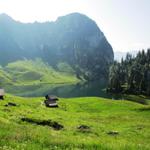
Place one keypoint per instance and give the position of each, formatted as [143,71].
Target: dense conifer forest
[131,75]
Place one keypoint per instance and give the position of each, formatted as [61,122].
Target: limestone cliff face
[74,39]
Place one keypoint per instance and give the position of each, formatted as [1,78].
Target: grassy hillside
[89,123]
[28,72]
[4,78]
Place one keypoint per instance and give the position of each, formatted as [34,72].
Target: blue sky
[126,23]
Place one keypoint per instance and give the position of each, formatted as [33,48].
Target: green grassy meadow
[89,123]
[35,72]
[129,120]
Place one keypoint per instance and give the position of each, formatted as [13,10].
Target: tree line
[131,75]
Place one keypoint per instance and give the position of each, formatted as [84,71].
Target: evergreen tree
[131,75]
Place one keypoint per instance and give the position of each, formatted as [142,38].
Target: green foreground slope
[102,116]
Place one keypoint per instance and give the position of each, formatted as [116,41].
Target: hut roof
[51,97]
[2,92]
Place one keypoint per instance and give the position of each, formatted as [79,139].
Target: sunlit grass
[129,119]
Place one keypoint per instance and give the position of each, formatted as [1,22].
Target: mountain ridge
[74,38]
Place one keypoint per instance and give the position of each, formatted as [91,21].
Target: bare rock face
[74,39]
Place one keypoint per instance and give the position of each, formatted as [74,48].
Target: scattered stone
[139,128]
[55,125]
[83,128]
[113,132]
[11,104]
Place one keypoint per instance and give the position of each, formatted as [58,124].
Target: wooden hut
[51,101]
[2,93]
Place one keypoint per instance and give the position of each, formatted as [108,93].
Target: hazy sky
[126,23]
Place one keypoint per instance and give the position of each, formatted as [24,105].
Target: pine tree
[133,74]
